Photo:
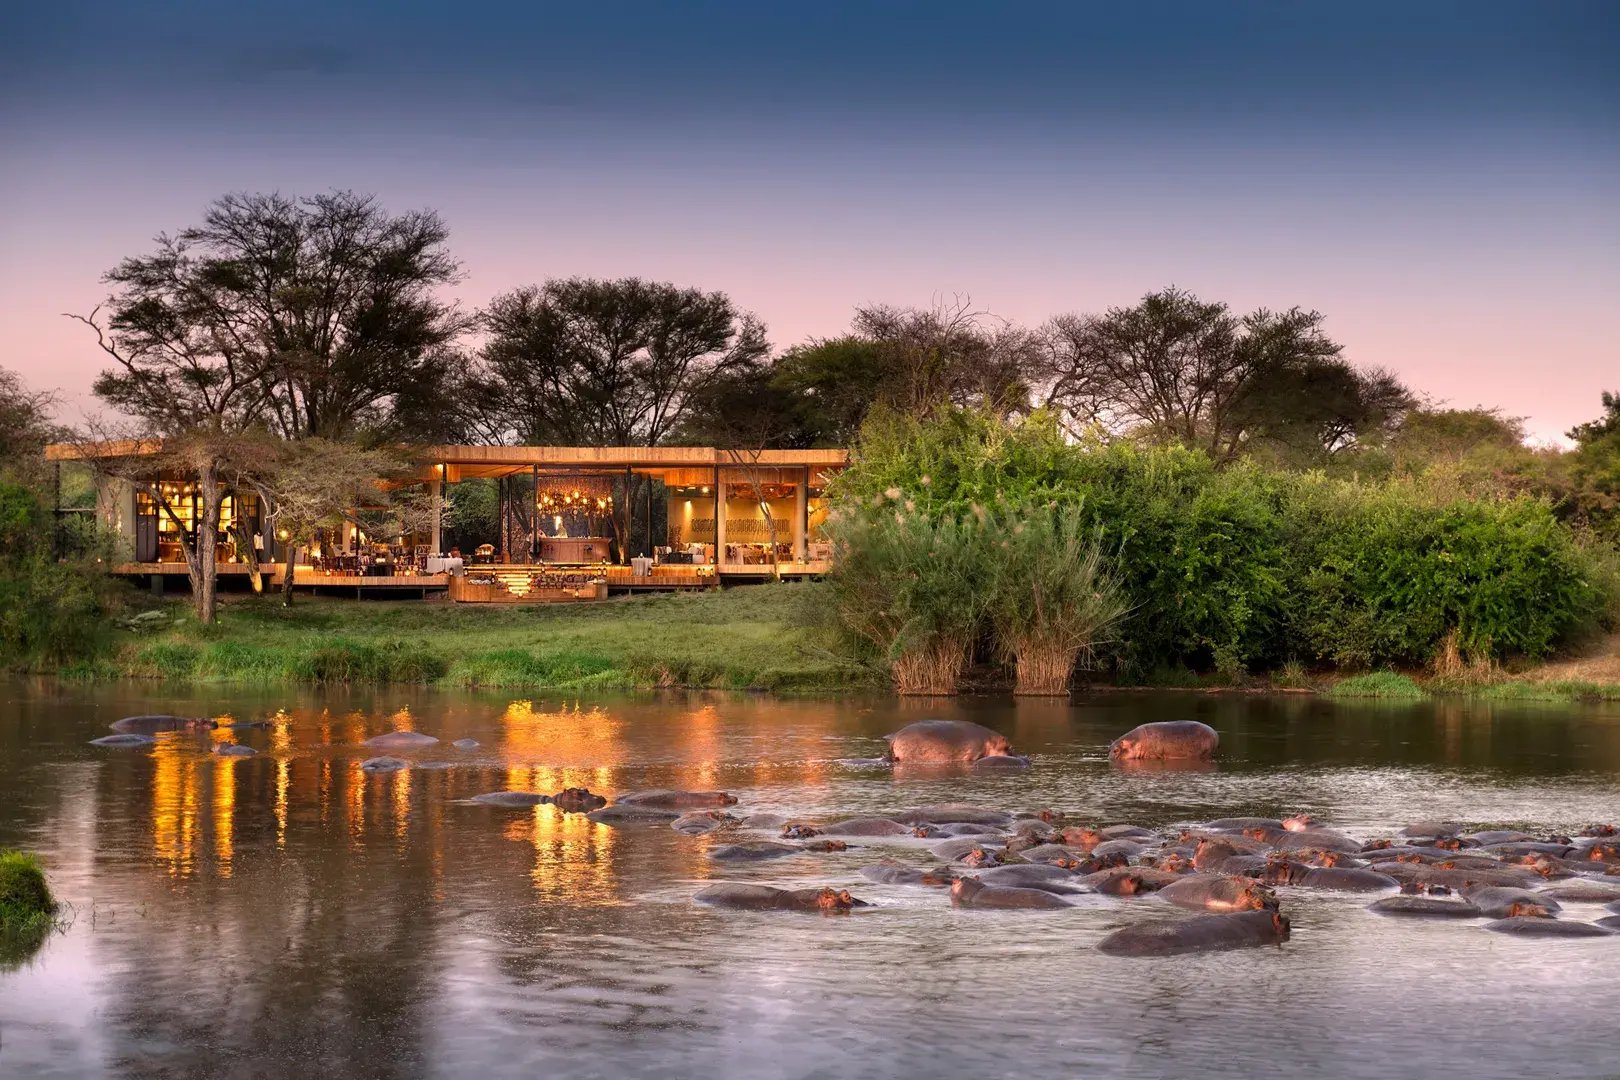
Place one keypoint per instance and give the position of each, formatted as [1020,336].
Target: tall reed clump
[911,586]
[1053,600]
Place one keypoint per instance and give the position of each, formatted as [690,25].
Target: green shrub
[341,661]
[1378,684]
[51,611]
[25,899]
[1052,599]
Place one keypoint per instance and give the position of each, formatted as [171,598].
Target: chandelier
[588,497]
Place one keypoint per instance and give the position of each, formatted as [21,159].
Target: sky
[1438,179]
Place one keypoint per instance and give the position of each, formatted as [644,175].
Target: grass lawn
[771,637]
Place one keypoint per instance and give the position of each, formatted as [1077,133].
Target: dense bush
[51,610]
[1239,568]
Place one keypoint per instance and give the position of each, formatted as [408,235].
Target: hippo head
[1528,909]
[1280,925]
[1074,836]
[1111,861]
[1175,863]
[1124,748]
[1209,850]
[1131,884]
[1598,830]
[1279,872]
[1255,834]
[1050,816]
[1318,857]
[963,888]
[827,845]
[997,746]
[980,857]
[1066,862]
[1377,845]
[836,900]
[926,831]
[1256,897]
[794,830]
[1299,823]
[1543,866]
[1449,843]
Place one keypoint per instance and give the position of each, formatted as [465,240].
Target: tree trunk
[204,565]
[244,539]
[287,573]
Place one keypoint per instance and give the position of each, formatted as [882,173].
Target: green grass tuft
[25,899]
[1562,691]
[1379,684]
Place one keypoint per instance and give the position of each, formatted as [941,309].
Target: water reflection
[290,912]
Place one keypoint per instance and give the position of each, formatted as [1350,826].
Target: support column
[801,517]
[436,541]
[534,514]
[719,520]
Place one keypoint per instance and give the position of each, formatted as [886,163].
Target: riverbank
[764,637]
[759,637]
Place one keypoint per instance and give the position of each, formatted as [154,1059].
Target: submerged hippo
[1425,907]
[663,799]
[1202,933]
[698,822]
[124,739]
[754,851]
[1052,879]
[1531,925]
[769,898]
[865,826]
[465,744]
[1218,892]
[152,725]
[577,800]
[946,742]
[400,740]
[1127,880]
[1502,902]
[620,814]
[952,813]
[516,800]
[961,847]
[1335,878]
[971,892]
[382,764]
[231,749]
[1586,893]
[1165,741]
[895,872]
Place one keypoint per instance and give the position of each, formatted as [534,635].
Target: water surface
[289,915]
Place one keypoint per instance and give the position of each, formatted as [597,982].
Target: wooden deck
[302,576]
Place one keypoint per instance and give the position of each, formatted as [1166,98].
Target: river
[289,915]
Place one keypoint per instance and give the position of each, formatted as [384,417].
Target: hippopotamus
[1167,740]
[1605,851]
[124,739]
[517,800]
[1335,878]
[1608,922]
[1127,880]
[952,814]
[765,821]
[1053,879]
[946,742]
[980,856]
[1461,879]
[1034,829]
[1501,902]
[1584,893]
[231,749]
[663,799]
[698,822]
[754,851]
[970,828]
[865,826]
[1299,840]
[973,893]
[1209,854]
[1531,925]
[893,872]
[1049,853]
[577,800]
[152,725]
[1425,906]
[1432,829]
[620,814]
[1487,837]
[400,740]
[1602,829]
[962,846]
[1238,824]
[241,725]
[1530,847]
[1201,933]
[768,898]
[1217,892]
[797,830]
[465,744]
[1171,862]
[383,764]
[1127,848]
[1325,859]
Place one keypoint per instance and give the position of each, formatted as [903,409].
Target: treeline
[285,344]
[963,535]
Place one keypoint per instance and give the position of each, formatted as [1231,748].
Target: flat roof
[470,461]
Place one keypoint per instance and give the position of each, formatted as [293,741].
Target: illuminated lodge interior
[574,523]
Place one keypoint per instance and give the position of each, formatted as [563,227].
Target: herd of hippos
[1226,870]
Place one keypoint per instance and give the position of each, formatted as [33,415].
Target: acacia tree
[603,363]
[25,429]
[1181,369]
[949,354]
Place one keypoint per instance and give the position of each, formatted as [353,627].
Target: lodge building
[574,523]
